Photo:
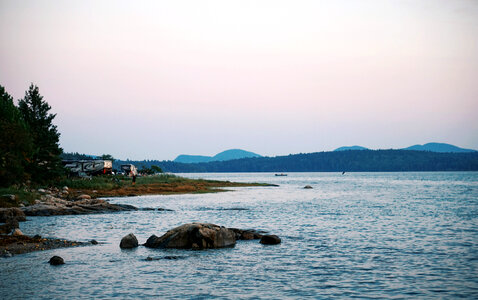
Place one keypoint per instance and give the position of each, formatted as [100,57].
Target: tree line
[30,150]
[348,161]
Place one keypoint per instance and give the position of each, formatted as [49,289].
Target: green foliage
[96,182]
[156,169]
[74,156]
[22,196]
[46,162]
[107,157]
[16,142]
[117,181]
[146,171]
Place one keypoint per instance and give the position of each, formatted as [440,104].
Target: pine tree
[16,143]
[46,162]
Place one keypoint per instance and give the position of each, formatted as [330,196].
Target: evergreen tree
[46,162]
[16,142]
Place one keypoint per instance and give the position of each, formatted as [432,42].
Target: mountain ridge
[439,147]
[432,147]
[221,156]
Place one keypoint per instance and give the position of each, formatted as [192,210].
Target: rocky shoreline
[19,244]
[51,203]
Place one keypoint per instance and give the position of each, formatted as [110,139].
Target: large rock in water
[56,261]
[194,236]
[270,239]
[129,241]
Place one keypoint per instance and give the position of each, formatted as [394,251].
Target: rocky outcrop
[23,244]
[308,187]
[50,206]
[194,236]
[270,239]
[9,226]
[129,241]
[11,213]
[11,217]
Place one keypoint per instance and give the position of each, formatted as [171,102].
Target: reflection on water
[377,235]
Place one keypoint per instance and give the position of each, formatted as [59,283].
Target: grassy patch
[21,197]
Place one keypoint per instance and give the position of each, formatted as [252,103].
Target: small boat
[281,174]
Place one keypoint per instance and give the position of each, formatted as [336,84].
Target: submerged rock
[129,241]
[246,234]
[194,236]
[270,239]
[56,260]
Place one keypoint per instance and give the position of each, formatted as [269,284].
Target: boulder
[83,197]
[6,254]
[17,232]
[129,241]
[308,187]
[56,260]
[270,239]
[94,242]
[12,213]
[194,236]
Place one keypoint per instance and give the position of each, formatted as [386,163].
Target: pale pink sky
[154,79]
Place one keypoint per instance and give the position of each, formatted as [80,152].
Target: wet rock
[246,234]
[56,260]
[83,197]
[270,239]
[12,213]
[194,236]
[6,254]
[94,242]
[10,225]
[56,206]
[308,187]
[42,191]
[17,232]
[129,241]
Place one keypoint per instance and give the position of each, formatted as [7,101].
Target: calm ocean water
[364,235]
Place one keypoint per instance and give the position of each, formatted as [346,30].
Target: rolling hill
[222,156]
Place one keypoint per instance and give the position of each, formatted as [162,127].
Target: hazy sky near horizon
[155,79]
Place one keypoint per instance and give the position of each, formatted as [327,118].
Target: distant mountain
[223,156]
[346,148]
[439,147]
[188,159]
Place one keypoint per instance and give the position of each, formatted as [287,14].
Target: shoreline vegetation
[107,186]
[161,184]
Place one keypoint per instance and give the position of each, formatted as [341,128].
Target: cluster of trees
[349,161]
[30,150]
